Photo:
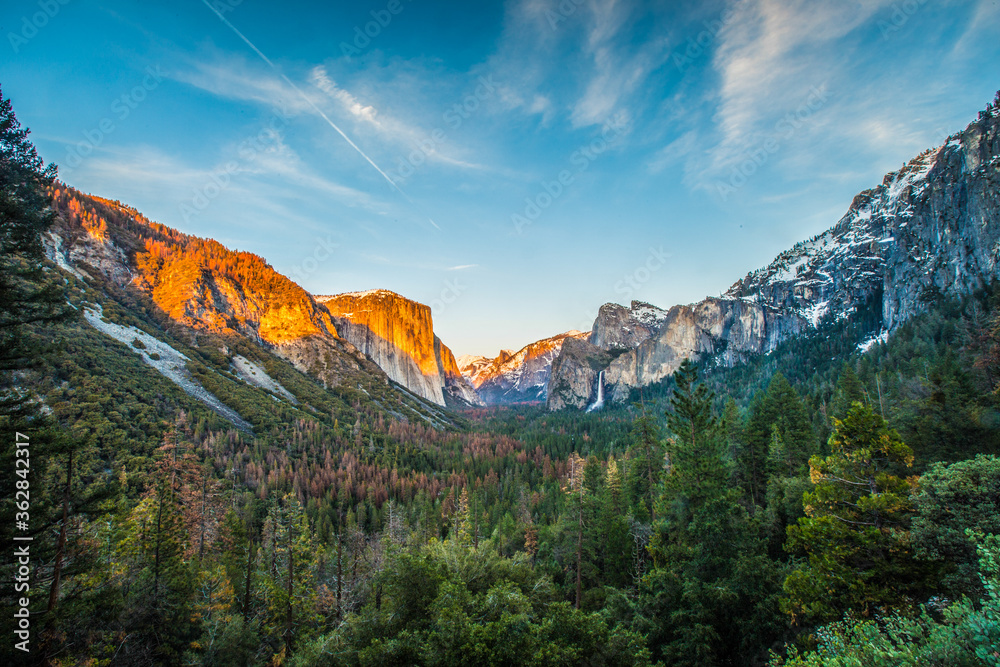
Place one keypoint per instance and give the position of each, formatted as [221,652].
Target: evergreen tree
[646,466]
[848,391]
[779,412]
[711,598]
[954,503]
[612,529]
[855,532]
[29,296]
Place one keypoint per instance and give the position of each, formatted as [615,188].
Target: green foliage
[357,525]
[711,598]
[27,294]
[855,532]
[646,458]
[777,442]
[964,635]
[952,500]
[446,604]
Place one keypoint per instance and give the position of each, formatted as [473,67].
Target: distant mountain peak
[515,377]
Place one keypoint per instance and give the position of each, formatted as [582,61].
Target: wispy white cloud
[617,67]
[274,172]
[319,78]
[806,57]
[278,159]
[233,78]
[851,76]
[615,76]
[674,152]
[773,52]
[574,59]
[390,130]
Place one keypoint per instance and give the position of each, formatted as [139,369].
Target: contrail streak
[309,102]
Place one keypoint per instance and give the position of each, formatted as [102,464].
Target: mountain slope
[514,377]
[200,292]
[932,227]
[398,335]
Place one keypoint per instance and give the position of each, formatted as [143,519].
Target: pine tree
[27,294]
[849,391]
[291,560]
[575,489]
[696,454]
[30,296]
[779,410]
[462,520]
[646,466]
[612,529]
[855,532]
[711,573]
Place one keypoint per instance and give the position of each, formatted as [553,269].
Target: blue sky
[513,164]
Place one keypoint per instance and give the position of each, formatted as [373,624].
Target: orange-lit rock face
[448,364]
[455,383]
[405,324]
[207,286]
[396,333]
[197,282]
[204,285]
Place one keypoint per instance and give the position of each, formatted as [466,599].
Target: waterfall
[599,403]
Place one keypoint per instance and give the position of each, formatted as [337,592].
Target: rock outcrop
[456,387]
[575,373]
[516,377]
[621,328]
[198,282]
[933,227]
[398,335]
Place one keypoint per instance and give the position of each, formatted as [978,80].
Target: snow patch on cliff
[870,342]
[816,312]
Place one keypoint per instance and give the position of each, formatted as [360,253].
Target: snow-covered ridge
[517,375]
[382,293]
[815,278]
[648,314]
